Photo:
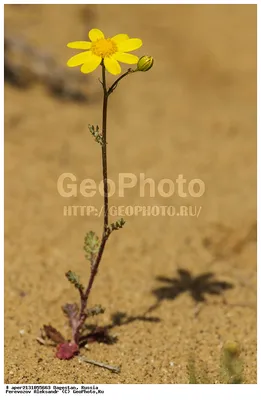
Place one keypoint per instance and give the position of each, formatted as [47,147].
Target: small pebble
[22,332]
[171,364]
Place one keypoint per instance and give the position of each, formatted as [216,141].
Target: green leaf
[91,245]
[96,134]
[74,279]
[96,310]
[115,226]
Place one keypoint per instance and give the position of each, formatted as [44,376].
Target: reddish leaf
[66,350]
[71,312]
[53,334]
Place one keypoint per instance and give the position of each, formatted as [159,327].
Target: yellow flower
[110,50]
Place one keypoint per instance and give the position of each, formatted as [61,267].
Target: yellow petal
[126,58]
[89,66]
[120,37]
[129,45]
[95,34]
[112,65]
[80,45]
[79,59]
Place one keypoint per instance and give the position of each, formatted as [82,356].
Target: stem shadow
[102,334]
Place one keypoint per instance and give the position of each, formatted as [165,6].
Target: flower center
[104,47]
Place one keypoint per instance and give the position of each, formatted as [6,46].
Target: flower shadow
[196,286]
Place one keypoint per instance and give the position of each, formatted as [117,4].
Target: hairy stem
[105,235]
[104,149]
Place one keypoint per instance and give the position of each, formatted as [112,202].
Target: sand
[193,114]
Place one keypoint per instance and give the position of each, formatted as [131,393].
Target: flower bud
[232,348]
[145,63]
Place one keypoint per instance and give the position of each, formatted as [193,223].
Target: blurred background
[171,286]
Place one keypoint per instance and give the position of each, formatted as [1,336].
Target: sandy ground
[194,114]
